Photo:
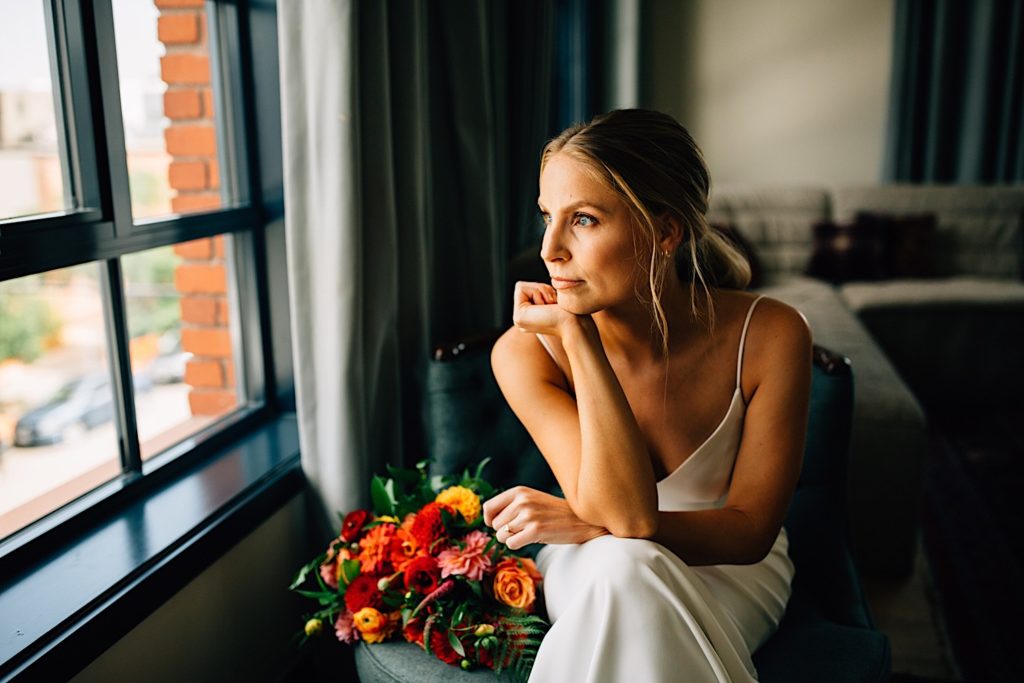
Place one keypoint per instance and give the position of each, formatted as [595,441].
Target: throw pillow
[845,252]
[908,241]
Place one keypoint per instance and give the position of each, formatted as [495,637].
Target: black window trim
[40,243]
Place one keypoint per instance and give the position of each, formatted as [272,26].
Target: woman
[666,560]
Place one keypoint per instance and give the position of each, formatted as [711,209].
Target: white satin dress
[629,610]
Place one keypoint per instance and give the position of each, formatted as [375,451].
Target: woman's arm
[592,443]
[768,464]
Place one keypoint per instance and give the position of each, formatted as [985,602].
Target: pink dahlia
[469,561]
[345,628]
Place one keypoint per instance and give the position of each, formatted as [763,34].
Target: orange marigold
[374,555]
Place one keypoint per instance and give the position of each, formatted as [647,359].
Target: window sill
[69,607]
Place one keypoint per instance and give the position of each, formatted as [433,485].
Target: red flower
[441,648]
[413,631]
[363,592]
[429,526]
[422,575]
[353,524]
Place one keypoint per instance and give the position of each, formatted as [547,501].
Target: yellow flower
[313,627]
[386,518]
[374,626]
[463,500]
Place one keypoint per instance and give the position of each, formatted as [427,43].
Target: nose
[552,247]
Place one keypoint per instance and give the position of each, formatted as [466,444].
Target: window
[132,314]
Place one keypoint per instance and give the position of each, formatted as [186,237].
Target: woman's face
[589,247]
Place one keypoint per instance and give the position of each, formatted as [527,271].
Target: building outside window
[129,314]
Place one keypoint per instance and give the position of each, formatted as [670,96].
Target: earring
[667,253]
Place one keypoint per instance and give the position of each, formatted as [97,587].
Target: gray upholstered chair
[827,633]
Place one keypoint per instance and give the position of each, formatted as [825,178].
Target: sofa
[920,347]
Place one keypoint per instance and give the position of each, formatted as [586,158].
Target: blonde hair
[656,168]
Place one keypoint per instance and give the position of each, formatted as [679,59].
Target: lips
[565,283]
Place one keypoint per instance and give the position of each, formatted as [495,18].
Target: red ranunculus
[413,631]
[441,648]
[422,575]
[363,592]
[429,526]
[353,524]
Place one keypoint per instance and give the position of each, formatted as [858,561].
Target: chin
[578,305]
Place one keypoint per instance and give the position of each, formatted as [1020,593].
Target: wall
[776,91]
[233,622]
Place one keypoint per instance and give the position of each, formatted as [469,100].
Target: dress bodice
[702,480]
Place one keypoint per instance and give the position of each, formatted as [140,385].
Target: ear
[672,233]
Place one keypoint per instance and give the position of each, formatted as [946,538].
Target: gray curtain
[409,130]
[957,91]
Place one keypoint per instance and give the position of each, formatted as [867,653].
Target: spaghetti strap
[743,339]
[547,347]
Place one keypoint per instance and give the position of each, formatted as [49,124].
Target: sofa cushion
[889,441]
[979,231]
[777,221]
[974,328]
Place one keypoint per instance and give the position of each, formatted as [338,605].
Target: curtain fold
[957,91]
[402,196]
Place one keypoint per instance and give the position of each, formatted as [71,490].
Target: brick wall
[194,177]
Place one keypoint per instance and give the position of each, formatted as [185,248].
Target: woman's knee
[626,559]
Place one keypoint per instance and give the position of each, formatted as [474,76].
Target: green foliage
[149,290]
[25,323]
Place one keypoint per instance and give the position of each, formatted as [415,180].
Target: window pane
[181,339]
[57,430]
[32,163]
[171,135]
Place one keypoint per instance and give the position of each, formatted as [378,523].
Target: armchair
[827,633]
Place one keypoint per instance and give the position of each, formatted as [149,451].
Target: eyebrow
[576,205]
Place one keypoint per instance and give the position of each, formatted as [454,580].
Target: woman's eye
[545,218]
[585,220]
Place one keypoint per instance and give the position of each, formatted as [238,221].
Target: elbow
[644,528]
[621,524]
[759,547]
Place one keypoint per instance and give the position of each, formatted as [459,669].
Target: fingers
[534,293]
[496,504]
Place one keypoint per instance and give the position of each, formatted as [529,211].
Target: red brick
[195,250]
[198,310]
[211,401]
[192,203]
[229,373]
[218,246]
[191,140]
[222,312]
[187,175]
[182,104]
[206,342]
[167,4]
[208,103]
[178,28]
[200,278]
[213,174]
[185,69]
[204,373]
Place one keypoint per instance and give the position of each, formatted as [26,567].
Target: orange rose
[374,626]
[515,583]
[404,549]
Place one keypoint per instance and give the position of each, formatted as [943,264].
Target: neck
[629,332]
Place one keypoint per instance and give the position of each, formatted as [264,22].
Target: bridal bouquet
[423,566]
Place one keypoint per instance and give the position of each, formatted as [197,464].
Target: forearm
[718,536]
[615,486]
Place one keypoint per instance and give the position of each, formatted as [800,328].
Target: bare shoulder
[778,344]
[518,356]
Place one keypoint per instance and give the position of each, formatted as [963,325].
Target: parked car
[81,404]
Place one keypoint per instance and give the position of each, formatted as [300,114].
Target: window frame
[100,229]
